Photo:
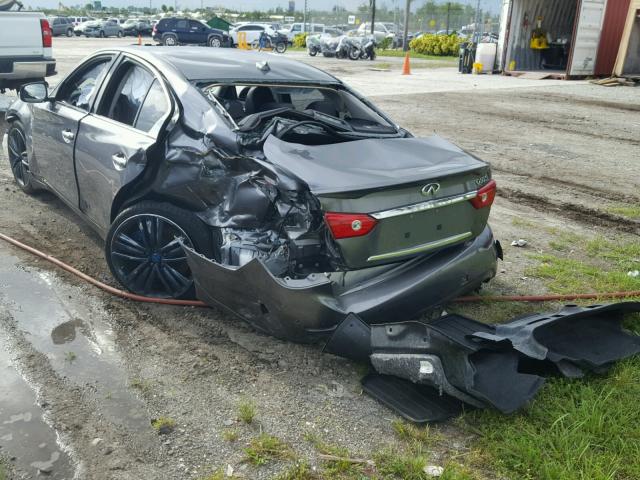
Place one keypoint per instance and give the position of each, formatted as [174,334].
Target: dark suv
[175,31]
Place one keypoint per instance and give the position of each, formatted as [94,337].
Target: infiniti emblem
[430,189]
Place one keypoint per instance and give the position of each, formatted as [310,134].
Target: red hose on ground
[197,303]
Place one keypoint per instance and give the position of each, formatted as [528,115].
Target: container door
[587,37]
[505,19]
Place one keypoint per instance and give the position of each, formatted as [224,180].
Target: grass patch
[264,448]
[382,65]
[412,54]
[406,465]
[230,435]
[342,469]
[630,211]
[299,471]
[70,357]
[3,471]
[586,429]
[143,385]
[246,411]
[163,425]
[603,270]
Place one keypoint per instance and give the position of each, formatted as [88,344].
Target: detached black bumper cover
[484,365]
[307,309]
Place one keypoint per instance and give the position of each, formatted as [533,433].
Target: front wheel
[170,40]
[215,42]
[313,52]
[19,157]
[354,54]
[144,252]
[119,34]
[70,33]
[281,47]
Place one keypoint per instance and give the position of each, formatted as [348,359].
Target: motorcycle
[277,42]
[314,45]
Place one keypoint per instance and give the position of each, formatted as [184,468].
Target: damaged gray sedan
[260,184]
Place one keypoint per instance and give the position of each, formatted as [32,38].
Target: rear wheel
[281,47]
[354,54]
[119,34]
[70,32]
[313,52]
[144,253]
[170,40]
[215,42]
[19,157]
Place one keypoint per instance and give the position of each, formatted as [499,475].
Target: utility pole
[405,34]
[304,17]
[372,3]
[448,12]
[476,35]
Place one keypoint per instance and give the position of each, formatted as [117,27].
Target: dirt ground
[92,371]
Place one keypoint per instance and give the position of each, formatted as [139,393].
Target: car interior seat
[324,106]
[261,99]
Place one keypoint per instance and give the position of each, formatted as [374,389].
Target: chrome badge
[430,189]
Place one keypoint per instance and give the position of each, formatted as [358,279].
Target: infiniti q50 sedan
[257,183]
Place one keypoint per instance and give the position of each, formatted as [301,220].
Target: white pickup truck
[25,48]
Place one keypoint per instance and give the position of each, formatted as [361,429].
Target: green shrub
[300,40]
[432,44]
[385,43]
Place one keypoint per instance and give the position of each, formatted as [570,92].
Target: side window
[80,89]
[153,109]
[181,24]
[129,95]
[195,25]
[295,28]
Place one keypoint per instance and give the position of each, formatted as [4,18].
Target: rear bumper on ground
[308,309]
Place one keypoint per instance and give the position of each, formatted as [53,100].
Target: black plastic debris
[423,367]
[444,354]
[417,403]
[574,339]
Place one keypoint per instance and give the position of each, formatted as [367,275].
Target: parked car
[381,30]
[78,20]
[61,26]
[175,31]
[279,193]
[25,44]
[298,28]
[103,28]
[252,32]
[136,27]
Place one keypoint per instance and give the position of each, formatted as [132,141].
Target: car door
[113,141]
[197,32]
[181,29]
[111,28]
[55,126]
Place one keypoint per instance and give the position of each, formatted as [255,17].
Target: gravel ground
[97,369]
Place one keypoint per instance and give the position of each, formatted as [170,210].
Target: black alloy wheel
[19,157]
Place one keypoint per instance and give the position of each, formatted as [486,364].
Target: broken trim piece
[421,207]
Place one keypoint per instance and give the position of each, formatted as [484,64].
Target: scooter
[276,42]
[314,45]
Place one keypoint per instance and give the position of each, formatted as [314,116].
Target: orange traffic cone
[139,39]
[406,68]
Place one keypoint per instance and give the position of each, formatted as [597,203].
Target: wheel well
[125,199]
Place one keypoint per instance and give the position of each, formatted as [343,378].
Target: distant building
[97,5]
[292,6]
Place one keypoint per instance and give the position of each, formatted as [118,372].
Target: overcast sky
[250,4]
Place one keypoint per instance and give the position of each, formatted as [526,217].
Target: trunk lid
[418,191]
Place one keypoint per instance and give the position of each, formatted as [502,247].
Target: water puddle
[23,432]
[73,331]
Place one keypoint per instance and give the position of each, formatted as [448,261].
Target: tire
[170,40]
[101,35]
[70,33]
[354,54]
[19,157]
[143,254]
[255,44]
[281,47]
[119,34]
[214,42]
[313,52]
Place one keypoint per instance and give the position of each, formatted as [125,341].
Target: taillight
[155,30]
[46,33]
[346,225]
[485,195]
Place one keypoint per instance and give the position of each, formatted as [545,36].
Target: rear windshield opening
[242,101]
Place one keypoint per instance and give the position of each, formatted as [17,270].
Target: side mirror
[36,92]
